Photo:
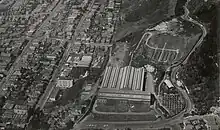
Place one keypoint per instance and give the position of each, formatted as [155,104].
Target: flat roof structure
[149,87]
[127,78]
[54,93]
[64,83]
[168,83]
[127,82]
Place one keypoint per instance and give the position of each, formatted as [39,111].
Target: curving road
[174,69]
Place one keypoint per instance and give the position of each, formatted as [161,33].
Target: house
[51,57]
[168,83]
[19,121]
[20,109]
[85,61]
[54,94]
[17,72]
[8,114]
[64,83]
[8,105]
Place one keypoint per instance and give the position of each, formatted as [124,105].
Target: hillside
[137,15]
[200,74]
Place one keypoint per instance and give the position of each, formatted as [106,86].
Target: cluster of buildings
[84,56]
[85,61]
[21,20]
[88,55]
[125,94]
[14,25]
[14,114]
[100,23]
[59,117]
[196,124]
[41,47]
[23,29]
[30,79]
[64,22]
[209,121]
[30,76]
[8,52]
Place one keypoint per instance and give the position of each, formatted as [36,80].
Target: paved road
[174,68]
[56,73]
[18,61]
[43,99]
[28,15]
[93,44]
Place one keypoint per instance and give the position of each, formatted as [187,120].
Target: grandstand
[124,95]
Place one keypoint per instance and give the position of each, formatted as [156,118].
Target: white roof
[168,83]
[65,83]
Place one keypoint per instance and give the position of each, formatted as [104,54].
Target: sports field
[121,106]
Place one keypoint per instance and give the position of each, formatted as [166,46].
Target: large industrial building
[126,94]
[126,82]
[128,78]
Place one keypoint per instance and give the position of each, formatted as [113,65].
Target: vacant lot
[119,56]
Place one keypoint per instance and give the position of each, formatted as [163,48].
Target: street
[174,69]
[18,61]
[41,103]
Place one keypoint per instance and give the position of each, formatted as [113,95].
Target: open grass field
[112,105]
[161,47]
[121,106]
[119,55]
[127,117]
[168,42]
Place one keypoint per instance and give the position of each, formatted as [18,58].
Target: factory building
[127,78]
[127,82]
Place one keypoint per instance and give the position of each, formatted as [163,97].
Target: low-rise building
[54,94]
[8,114]
[64,83]
[84,62]
[168,83]
[8,105]
[20,109]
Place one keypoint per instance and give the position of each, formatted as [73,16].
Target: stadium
[126,90]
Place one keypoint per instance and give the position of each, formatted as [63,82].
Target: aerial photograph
[109,64]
